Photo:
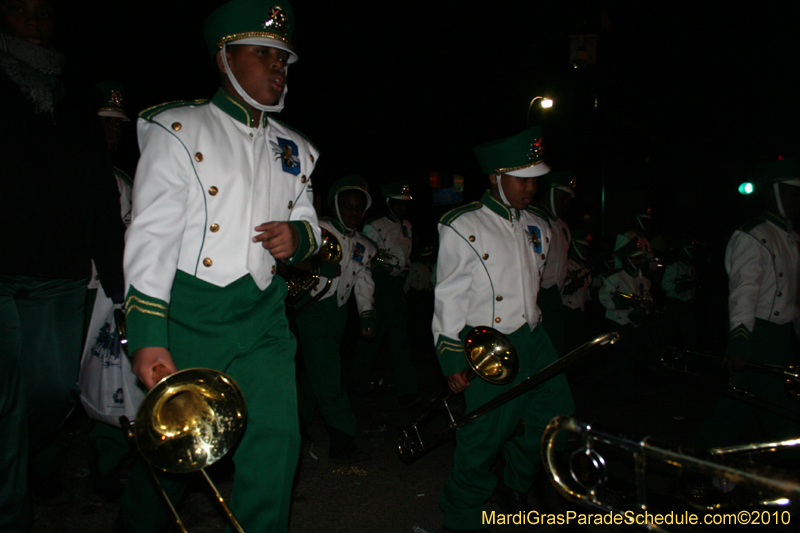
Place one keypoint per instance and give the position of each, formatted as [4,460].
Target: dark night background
[688,98]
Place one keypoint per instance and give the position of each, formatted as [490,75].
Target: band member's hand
[152,364]
[458,382]
[281,239]
[366,332]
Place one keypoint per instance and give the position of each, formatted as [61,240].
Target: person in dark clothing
[59,210]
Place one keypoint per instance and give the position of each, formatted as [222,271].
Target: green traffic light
[746,188]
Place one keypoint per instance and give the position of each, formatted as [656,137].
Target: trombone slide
[644,449]
[410,443]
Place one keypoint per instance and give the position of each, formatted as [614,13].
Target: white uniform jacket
[490,262]
[621,281]
[762,261]
[394,237]
[356,276]
[204,181]
[556,267]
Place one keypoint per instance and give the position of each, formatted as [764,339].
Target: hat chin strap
[347,231]
[277,108]
[500,188]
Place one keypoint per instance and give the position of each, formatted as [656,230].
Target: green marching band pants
[554,316]
[41,329]
[391,318]
[478,444]
[321,328]
[243,332]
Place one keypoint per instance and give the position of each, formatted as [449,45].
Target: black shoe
[446,529]
[348,457]
[343,448]
[512,502]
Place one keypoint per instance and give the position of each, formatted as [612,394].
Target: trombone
[644,449]
[492,357]
[187,422]
[706,365]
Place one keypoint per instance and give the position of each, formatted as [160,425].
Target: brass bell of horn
[188,421]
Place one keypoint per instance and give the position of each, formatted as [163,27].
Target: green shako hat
[398,190]
[626,246]
[564,180]
[261,22]
[113,100]
[784,170]
[350,182]
[521,155]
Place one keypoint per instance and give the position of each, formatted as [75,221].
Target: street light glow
[546,103]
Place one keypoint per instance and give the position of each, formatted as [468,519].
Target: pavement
[386,495]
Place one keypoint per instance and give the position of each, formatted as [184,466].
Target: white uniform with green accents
[490,264]
[198,285]
[198,165]
[356,273]
[488,274]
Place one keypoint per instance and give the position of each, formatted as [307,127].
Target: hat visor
[272,43]
[790,181]
[567,190]
[115,114]
[531,171]
[400,196]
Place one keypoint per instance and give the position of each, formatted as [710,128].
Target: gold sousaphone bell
[187,422]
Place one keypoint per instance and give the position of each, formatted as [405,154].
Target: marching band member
[763,265]
[575,292]
[392,234]
[322,325]
[625,294]
[222,193]
[559,189]
[491,259]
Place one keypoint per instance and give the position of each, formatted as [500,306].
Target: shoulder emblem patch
[358,252]
[286,151]
[535,238]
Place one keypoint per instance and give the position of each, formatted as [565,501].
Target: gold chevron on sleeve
[448,345]
[130,308]
[740,331]
[150,308]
